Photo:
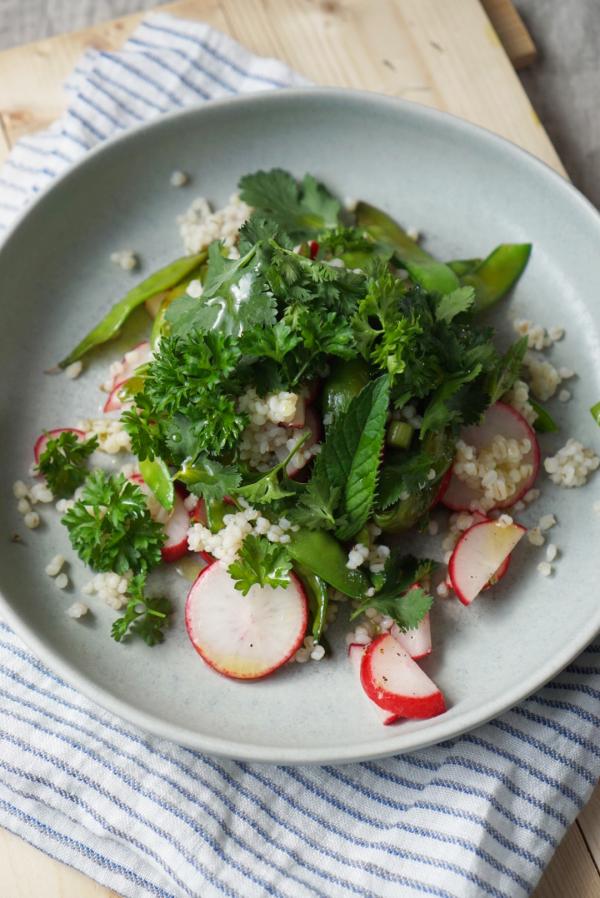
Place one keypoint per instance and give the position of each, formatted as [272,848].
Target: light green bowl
[467,190]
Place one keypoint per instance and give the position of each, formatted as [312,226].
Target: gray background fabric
[564,85]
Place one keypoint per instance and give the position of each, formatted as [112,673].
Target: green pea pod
[544,423]
[159,323]
[406,513]
[595,412]
[461,267]
[497,274]
[322,554]
[345,381]
[216,509]
[318,598]
[157,477]
[433,276]
[163,279]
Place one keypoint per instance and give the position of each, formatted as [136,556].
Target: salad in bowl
[313,384]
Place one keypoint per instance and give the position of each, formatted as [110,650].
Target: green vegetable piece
[62,463]
[260,563]
[452,304]
[399,434]
[408,474]
[497,274]
[407,610]
[209,478]
[345,381]
[215,510]
[507,370]
[157,477]
[595,412]
[545,423]
[163,279]
[301,209]
[322,554]
[318,598]
[461,267]
[159,325]
[144,616]
[433,276]
[407,512]
[111,528]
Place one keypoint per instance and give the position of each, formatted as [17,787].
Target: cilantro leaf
[62,462]
[144,616]
[110,526]
[452,304]
[302,210]
[315,506]
[351,455]
[507,370]
[261,489]
[209,478]
[261,563]
[401,595]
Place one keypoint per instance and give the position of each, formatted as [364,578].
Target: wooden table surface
[443,53]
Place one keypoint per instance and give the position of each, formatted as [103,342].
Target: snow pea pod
[433,276]
[406,513]
[544,423]
[318,598]
[461,267]
[163,279]
[322,554]
[157,478]
[497,273]
[345,381]
[595,412]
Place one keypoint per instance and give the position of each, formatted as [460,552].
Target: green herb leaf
[110,526]
[302,210]
[408,473]
[262,489]
[544,422]
[507,370]
[452,304]
[111,324]
[351,455]
[209,478]
[144,616]
[595,412]
[315,506]
[157,478]
[62,462]
[401,596]
[261,563]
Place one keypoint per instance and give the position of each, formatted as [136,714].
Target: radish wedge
[312,422]
[396,683]
[176,522]
[130,362]
[42,440]
[355,653]
[500,419]
[416,642]
[244,637]
[479,556]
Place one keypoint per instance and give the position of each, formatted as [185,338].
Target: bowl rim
[437,729]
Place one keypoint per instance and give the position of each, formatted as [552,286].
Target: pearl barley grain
[62,581]
[32,520]
[77,610]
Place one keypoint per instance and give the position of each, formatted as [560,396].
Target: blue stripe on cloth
[162,64]
[126,88]
[85,850]
[544,749]
[151,25]
[211,76]
[142,77]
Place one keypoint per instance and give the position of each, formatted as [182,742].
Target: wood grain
[443,54]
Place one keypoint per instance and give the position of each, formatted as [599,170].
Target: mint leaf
[351,455]
[261,563]
[302,210]
[452,304]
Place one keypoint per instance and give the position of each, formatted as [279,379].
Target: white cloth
[477,816]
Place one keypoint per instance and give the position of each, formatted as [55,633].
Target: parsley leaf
[110,526]
[62,462]
[452,304]
[302,210]
[261,563]
[351,455]
[144,616]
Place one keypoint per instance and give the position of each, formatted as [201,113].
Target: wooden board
[444,53]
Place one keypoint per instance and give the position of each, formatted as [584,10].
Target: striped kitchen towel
[477,816]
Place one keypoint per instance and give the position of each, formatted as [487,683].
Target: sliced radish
[504,420]
[42,440]
[480,555]
[310,391]
[355,653]
[444,483]
[245,637]
[176,522]
[313,248]
[416,642]
[114,403]
[128,365]
[312,422]
[396,683]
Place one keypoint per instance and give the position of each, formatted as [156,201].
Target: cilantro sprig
[260,562]
[401,596]
[62,462]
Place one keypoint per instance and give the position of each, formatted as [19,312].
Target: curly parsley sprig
[144,616]
[62,462]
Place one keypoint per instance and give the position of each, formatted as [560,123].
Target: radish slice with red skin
[396,683]
[300,416]
[312,422]
[479,556]
[310,391]
[417,642]
[504,420]
[114,403]
[176,522]
[130,362]
[244,637]
[355,653]
[444,484]
[313,248]
[42,440]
